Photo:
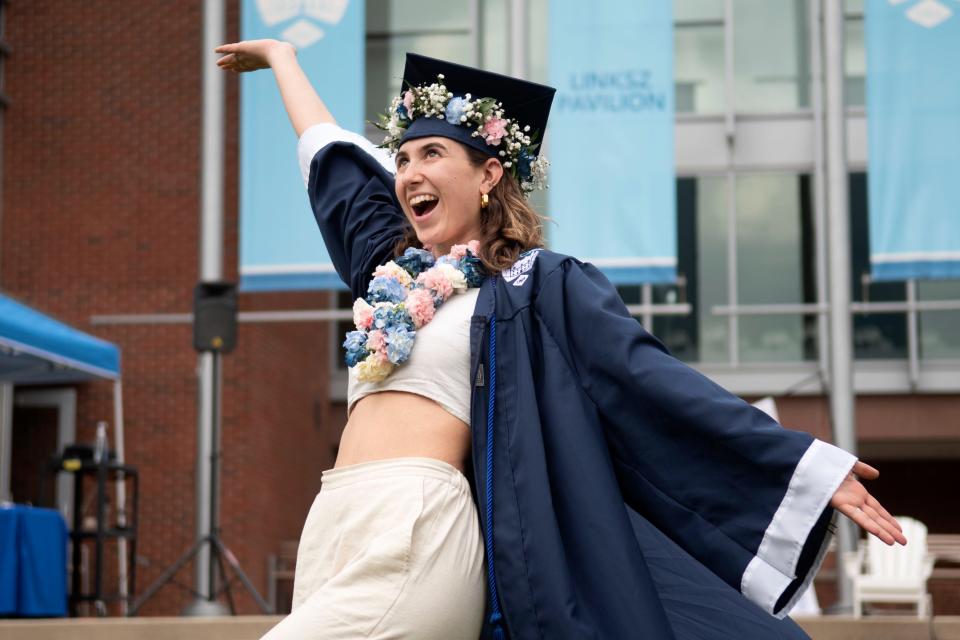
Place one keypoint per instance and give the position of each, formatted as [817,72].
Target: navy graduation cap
[501,116]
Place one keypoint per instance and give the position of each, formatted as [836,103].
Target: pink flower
[434,280]
[458,251]
[393,270]
[474,246]
[408,102]
[419,304]
[494,130]
[376,341]
[362,314]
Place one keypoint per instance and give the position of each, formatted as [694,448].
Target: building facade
[100,217]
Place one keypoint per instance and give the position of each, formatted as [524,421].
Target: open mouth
[423,205]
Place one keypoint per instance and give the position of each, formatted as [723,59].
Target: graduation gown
[622,494]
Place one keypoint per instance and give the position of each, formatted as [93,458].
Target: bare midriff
[397,424]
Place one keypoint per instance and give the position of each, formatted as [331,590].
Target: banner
[280,245]
[913,121]
[612,184]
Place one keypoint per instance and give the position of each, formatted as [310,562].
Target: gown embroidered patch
[520,267]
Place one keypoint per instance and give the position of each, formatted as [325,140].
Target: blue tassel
[495,619]
[495,616]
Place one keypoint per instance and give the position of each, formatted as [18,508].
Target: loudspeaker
[215,316]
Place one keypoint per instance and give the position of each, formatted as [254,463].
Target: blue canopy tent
[36,349]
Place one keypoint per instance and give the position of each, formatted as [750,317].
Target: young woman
[621,494]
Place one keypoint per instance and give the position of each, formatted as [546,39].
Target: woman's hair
[508,226]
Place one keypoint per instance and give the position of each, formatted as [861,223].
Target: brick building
[100,215]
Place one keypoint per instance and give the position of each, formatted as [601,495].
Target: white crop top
[439,363]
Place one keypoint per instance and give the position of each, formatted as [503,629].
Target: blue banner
[280,246]
[913,120]
[612,182]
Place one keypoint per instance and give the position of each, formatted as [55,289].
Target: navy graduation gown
[631,496]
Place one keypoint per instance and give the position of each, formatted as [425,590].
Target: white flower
[373,369]
[454,276]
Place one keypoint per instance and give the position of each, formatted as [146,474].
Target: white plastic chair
[892,574]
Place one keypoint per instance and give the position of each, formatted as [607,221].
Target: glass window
[771,68]
[771,57]
[939,330]
[698,56]
[702,264]
[854,54]
[386,57]
[875,335]
[775,266]
[394,29]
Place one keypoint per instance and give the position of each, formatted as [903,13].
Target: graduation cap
[525,103]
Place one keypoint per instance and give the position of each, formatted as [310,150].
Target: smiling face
[439,188]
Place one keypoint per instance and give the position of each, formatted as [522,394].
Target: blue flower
[393,315]
[385,289]
[399,343]
[455,109]
[402,112]
[356,346]
[472,270]
[524,160]
[447,260]
[414,261]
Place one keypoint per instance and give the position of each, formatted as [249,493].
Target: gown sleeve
[746,497]
[351,191]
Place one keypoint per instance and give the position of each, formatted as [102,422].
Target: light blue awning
[35,348]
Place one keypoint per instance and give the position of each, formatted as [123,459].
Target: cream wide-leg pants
[390,549]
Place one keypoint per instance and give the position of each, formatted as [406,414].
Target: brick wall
[101,216]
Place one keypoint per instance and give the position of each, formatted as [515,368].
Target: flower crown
[485,115]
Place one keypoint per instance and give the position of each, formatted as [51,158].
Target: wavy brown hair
[508,226]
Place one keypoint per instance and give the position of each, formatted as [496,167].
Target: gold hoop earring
[484,201]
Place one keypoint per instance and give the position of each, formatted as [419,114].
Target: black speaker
[215,316]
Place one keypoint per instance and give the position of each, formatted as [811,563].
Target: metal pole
[519,37]
[211,269]
[6,439]
[819,185]
[913,335]
[475,16]
[121,488]
[215,455]
[841,330]
[730,127]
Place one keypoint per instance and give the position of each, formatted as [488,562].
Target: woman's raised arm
[303,105]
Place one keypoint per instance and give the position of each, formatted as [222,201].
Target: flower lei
[483,114]
[401,298]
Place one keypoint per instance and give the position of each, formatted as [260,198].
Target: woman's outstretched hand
[854,501]
[251,55]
